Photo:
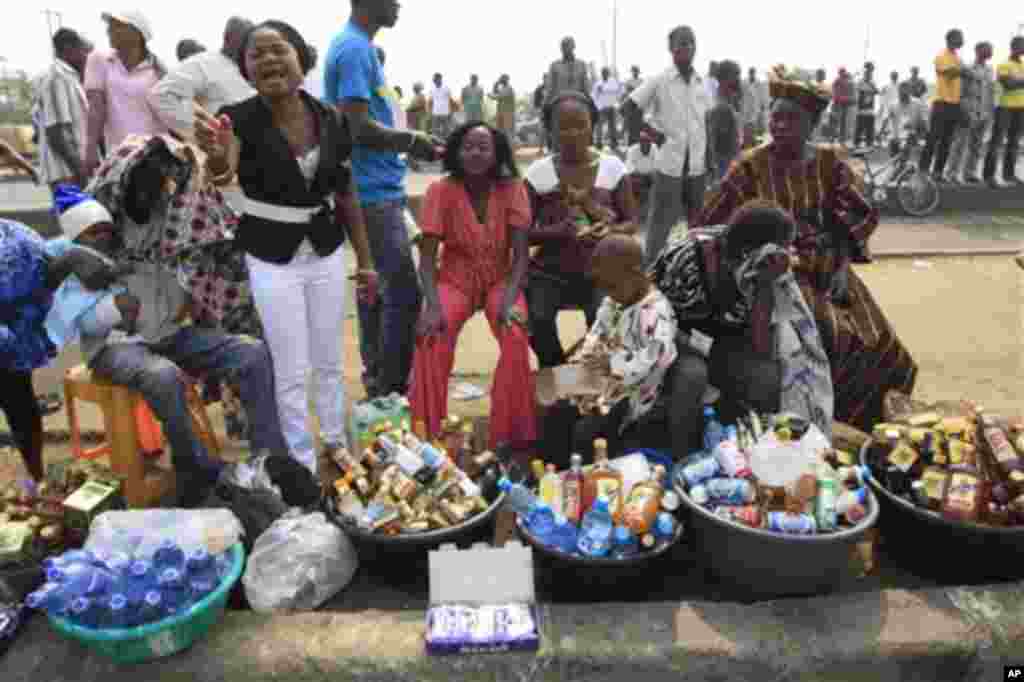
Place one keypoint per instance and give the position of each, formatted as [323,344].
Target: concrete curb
[961,634]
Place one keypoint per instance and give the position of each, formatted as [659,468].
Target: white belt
[281,214]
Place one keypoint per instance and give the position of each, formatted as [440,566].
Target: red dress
[475,264]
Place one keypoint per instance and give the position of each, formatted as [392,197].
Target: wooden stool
[144,485]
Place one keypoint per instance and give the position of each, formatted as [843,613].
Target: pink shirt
[128,110]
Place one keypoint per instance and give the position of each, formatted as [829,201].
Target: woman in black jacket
[291,155]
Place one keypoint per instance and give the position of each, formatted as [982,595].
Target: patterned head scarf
[195,238]
[791,85]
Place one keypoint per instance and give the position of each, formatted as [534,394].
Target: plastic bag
[249,474]
[299,563]
[277,474]
[140,532]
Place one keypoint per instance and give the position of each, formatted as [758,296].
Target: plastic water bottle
[517,496]
[86,612]
[119,613]
[174,589]
[120,565]
[596,531]
[168,555]
[82,579]
[541,522]
[714,432]
[198,588]
[153,608]
[200,564]
[50,597]
[565,535]
[624,543]
[664,527]
[140,579]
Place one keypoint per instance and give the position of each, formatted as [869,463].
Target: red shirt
[475,257]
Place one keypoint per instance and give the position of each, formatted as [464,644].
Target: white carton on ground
[482,574]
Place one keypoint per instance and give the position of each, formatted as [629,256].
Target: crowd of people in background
[728,154]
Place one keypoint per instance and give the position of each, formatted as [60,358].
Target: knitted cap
[77,211]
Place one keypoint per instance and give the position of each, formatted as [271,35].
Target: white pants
[302,307]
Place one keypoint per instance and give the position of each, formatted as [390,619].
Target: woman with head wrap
[834,223]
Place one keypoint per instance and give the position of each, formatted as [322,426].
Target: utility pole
[615,37]
[54,20]
[867,43]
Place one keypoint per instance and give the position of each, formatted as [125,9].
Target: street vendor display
[964,469]
[615,509]
[403,484]
[785,479]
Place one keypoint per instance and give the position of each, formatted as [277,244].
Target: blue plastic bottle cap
[709,411]
[118,602]
[504,485]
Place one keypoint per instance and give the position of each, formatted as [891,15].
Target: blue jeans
[155,371]
[387,330]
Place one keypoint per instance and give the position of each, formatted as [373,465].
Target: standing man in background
[211,79]
[1009,116]
[63,111]
[473,100]
[117,84]
[979,101]
[440,108]
[754,108]
[947,112]
[679,102]
[505,121]
[842,100]
[354,81]
[867,93]
[607,94]
[918,88]
[567,73]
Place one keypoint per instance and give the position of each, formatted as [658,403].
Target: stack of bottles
[966,468]
[121,590]
[403,484]
[829,495]
[591,512]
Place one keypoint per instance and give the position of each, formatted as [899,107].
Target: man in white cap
[211,79]
[117,83]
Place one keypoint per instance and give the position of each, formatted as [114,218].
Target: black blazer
[268,172]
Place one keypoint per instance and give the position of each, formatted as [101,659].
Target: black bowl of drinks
[593,517]
[952,494]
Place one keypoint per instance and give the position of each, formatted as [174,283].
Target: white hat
[132,17]
[83,215]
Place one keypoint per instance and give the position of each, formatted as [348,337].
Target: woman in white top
[578,196]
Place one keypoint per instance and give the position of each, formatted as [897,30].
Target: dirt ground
[960,317]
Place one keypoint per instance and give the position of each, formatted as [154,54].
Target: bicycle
[917,192]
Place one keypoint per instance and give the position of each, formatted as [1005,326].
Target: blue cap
[709,411]
[504,485]
[80,605]
[118,602]
[153,598]
[622,534]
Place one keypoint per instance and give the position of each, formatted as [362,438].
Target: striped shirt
[61,101]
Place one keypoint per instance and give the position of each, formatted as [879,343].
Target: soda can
[699,495]
[792,524]
[730,491]
[749,515]
[700,468]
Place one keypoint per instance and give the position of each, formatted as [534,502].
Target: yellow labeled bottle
[644,502]
[603,481]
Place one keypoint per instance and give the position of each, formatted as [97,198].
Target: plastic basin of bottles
[467,531]
[634,561]
[960,551]
[766,564]
[162,638]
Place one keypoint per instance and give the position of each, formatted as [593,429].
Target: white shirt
[889,97]
[441,101]
[638,163]
[209,77]
[607,94]
[679,110]
[712,87]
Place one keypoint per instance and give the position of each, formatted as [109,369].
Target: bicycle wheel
[917,193]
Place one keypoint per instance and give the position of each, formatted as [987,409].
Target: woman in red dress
[480,213]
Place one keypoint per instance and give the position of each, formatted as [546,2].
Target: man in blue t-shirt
[354,81]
